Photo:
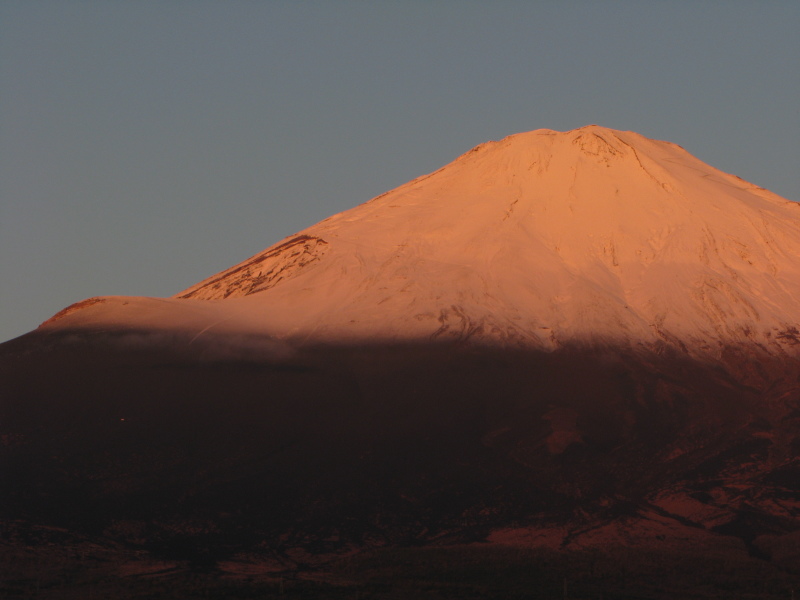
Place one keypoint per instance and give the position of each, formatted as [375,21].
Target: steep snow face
[540,239]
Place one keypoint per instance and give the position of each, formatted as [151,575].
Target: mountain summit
[538,240]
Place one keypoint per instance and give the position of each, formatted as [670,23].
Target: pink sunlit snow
[538,240]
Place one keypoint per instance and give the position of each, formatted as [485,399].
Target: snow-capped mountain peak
[540,239]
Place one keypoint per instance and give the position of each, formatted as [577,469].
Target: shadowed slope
[335,447]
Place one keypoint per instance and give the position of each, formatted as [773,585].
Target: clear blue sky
[146,145]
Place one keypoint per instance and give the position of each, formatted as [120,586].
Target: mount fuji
[560,342]
[539,240]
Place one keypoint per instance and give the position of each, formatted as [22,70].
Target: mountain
[571,342]
[540,239]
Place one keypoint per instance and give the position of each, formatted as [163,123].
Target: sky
[147,145]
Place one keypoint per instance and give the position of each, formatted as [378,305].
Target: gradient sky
[147,145]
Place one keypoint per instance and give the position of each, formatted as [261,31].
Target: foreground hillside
[331,458]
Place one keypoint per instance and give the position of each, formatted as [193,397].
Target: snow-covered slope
[539,240]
